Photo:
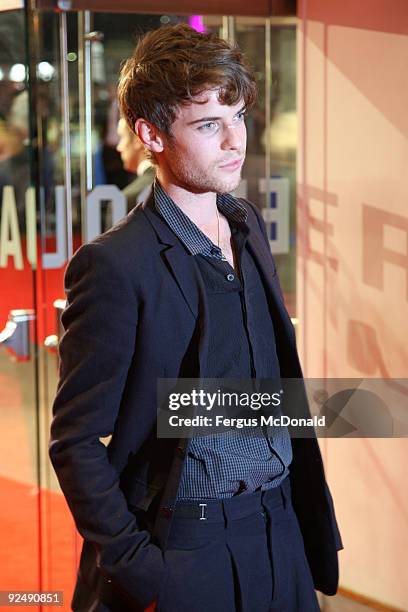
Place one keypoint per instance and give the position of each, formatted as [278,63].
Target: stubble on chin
[203,182]
[199,180]
[224,185]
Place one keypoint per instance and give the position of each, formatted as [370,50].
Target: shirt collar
[186,230]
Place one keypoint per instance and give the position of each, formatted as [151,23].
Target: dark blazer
[136,311]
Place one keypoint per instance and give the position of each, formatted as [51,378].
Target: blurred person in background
[133,154]
[14,157]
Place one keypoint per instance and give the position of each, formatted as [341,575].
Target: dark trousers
[245,554]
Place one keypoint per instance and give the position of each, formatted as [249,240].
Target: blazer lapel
[184,270]
[180,264]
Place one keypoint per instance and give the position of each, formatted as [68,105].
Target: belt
[239,506]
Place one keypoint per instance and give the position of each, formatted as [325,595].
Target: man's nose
[232,137]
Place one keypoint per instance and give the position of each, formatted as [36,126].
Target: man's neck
[199,207]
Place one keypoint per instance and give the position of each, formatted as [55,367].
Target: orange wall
[352,284]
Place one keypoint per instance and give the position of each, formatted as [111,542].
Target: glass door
[66,184]
[20,499]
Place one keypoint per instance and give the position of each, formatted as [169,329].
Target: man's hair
[172,65]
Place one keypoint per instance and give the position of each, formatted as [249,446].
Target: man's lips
[232,165]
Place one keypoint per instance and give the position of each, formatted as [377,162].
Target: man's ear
[150,135]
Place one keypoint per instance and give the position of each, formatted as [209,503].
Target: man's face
[129,147]
[208,146]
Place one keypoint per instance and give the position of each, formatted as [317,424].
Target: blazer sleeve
[96,351]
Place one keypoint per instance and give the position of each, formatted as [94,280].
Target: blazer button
[166,511]
[230,277]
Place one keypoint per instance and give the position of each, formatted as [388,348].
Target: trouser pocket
[200,577]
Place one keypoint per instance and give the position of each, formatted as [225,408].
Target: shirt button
[230,277]
[214,251]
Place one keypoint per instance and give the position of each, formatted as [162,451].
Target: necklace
[218,234]
[218,227]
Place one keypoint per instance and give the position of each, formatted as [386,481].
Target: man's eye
[208,127]
[241,115]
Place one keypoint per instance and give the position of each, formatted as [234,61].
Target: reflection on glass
[14,155]
[271,48]
[19,531]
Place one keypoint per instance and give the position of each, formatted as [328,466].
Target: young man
[185,287]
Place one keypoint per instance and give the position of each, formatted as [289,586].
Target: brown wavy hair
[173,64]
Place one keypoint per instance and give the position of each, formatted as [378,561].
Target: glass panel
[59,543]
[104,41]
[271,48]
[211,23]
[283,144]
[19,474]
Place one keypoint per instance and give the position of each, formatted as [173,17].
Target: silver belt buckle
[202,516]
